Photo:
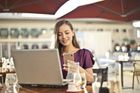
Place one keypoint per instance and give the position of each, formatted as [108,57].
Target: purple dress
[83,56]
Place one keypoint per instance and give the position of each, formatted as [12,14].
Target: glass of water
[11,83]
[84,80]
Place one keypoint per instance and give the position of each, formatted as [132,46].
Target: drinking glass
[73,74]
[73,77]
[70,74]
[84,80]
[96,83]
[11,83]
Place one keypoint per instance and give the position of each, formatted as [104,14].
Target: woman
[66,43]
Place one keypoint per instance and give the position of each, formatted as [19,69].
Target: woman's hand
[70,66]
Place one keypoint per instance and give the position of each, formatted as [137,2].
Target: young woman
[66,43]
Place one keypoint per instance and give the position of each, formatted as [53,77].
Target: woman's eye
[67,33]
[59,34]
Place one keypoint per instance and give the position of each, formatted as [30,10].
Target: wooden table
[49,90]
[4,72]
[42,90]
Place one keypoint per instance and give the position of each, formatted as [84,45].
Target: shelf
[25,40]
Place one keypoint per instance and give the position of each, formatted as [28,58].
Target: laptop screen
[38,66]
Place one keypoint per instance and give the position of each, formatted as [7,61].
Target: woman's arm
[89,74]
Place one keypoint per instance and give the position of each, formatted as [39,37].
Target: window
[138,33]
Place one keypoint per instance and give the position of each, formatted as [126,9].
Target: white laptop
[38,67]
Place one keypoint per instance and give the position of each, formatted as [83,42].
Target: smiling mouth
[65,41]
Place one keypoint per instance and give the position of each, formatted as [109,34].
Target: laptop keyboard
[42,86]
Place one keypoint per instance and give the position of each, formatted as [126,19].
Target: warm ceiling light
[136,23]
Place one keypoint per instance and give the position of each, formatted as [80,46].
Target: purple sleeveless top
[83,56]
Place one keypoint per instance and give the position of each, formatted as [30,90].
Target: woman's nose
[63,36]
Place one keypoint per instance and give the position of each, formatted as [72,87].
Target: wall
[111,32]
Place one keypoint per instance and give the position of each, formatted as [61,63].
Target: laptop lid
[38,66]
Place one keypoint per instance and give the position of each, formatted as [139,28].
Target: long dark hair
[56,30]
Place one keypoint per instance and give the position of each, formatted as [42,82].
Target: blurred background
[100,25]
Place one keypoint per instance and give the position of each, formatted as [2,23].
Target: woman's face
[65,35]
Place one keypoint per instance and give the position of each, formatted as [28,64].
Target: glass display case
[14,33]
[23,38]
[4,32]
[24,32]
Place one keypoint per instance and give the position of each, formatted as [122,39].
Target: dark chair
[102,75]
[102,72]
